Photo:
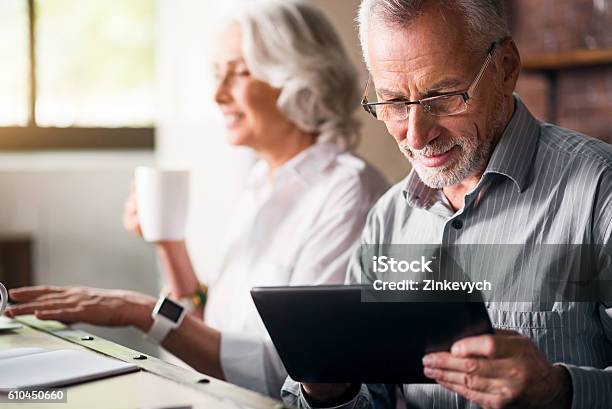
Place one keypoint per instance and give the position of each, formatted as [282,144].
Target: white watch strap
[187,304]
[160,329]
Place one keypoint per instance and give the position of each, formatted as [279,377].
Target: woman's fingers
[32,293]
[31,307]
[130,213]
[66,315]
[53,296]
[89,308]
[83,304]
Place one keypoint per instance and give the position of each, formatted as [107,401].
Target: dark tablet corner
[326,334]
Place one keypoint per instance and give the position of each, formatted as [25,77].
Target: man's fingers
[483,399]
[30,293]
[483,367]
[469,380]
[488,346]
[445,360]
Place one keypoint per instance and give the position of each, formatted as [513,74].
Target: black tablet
[327,334]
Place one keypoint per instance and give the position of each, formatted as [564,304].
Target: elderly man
[484,171]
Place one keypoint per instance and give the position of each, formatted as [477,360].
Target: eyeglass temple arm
[483,68]
[364,99]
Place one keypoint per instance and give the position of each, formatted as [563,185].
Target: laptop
[326,334]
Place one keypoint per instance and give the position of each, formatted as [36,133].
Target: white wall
[71,204]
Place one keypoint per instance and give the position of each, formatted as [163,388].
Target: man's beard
[473,155]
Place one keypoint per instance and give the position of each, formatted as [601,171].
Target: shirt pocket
[570,334]
[522,321]
[544,328]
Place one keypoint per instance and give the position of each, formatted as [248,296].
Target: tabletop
[158,385]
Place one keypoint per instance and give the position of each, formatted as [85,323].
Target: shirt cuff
[242,361]
[591,387]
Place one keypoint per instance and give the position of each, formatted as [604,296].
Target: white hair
[292,46]
[485,19]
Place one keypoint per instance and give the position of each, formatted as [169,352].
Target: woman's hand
[173,255]
[131,222]
[111,308]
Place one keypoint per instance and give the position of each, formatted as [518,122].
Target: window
[76,74]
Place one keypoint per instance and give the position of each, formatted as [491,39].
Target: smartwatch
[191,302]
[167,315]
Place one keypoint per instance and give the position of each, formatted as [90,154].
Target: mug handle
[3,298]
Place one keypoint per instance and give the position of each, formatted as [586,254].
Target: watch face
[170,310]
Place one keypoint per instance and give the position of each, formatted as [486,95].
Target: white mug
[163,202]
[3,298]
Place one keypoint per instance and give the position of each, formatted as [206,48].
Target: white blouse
[298,228]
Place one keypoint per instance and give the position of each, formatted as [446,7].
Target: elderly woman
[287,90]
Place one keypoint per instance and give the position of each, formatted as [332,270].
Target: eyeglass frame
[466,95]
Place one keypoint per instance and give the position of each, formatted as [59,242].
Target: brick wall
[584,94]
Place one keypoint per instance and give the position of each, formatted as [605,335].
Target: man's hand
[114,308]
[504,370]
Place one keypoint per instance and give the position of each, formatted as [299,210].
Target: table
[157,385]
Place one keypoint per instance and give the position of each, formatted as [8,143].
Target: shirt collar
[512,157]
[305,166]
[417,193]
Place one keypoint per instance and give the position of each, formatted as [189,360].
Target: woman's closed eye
[242,73]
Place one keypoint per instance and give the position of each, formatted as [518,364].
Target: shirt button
[457,224]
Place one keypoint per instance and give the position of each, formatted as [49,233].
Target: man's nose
[421,128]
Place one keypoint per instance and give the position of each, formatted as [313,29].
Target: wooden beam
[32,63]
[46,139]
[568,59]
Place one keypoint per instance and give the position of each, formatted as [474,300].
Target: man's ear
[511,66]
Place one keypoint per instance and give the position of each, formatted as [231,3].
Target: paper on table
[15,352]
[7,324]
[57,368]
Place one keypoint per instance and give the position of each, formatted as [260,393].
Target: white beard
[473,155]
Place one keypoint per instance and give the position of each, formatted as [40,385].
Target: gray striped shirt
[543,185]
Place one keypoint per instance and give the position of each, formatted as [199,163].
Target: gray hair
[292,46]
[485,19]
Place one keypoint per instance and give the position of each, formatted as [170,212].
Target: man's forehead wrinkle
[415,61]
[391,65]
[415,85]
[445,83]
[406,63]
[408,69]
[391,94]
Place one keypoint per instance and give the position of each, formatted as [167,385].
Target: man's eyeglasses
[452,103]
